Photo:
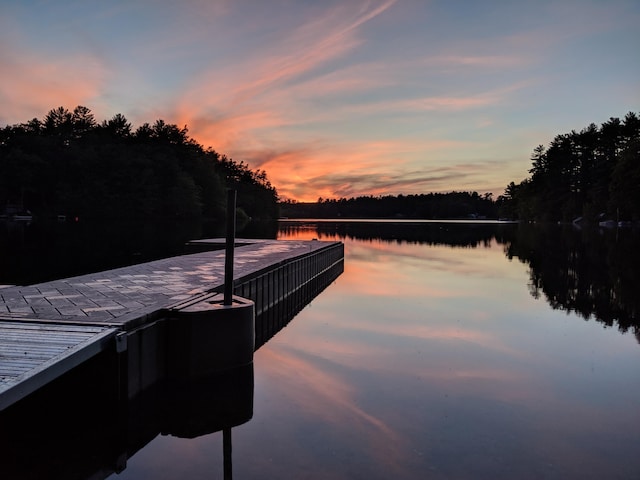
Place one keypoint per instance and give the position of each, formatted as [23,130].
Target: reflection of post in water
[226,448]
[218,403]
[82,433]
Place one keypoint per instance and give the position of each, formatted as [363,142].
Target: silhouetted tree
[68,163]
[625,183]
[574,176]
[118,127]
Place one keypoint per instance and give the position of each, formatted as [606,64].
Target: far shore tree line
[70,164]
[423,206]
[590,175]
[67,163]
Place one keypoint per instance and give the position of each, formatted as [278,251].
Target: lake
[442,351]
[445,350]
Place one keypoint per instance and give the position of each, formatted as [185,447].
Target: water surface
[447,352]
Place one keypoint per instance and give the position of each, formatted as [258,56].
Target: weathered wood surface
[33,354]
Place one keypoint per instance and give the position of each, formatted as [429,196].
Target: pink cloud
[31,83]
[264,110]
[362,168]
[243,108]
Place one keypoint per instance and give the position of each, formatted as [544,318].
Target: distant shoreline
[396,220]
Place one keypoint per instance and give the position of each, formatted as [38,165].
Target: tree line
[70,164]
[421,206]
[593,174]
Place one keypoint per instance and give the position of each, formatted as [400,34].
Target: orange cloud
[348,179]
[260,132]
[31,83]
[364,168]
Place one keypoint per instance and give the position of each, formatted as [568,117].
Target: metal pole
[226,448]
[231,238]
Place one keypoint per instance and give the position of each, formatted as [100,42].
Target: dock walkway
[122,296]
[48,328]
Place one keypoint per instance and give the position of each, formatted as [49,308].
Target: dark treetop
[69,164]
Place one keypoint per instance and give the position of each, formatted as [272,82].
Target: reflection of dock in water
[94,367]
[78,428]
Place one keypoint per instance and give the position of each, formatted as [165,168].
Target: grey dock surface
[33,354]
[48,328]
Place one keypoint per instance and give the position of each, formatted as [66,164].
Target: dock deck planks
[121,297]
[32,354]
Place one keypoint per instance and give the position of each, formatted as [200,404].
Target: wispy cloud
[408,166]
[301,50]
[332,98]
[475,61]
[308,47]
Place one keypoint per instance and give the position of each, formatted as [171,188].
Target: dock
[49,329]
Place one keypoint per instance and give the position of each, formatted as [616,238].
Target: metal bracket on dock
[121,342]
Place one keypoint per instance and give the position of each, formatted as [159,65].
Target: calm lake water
[444,351]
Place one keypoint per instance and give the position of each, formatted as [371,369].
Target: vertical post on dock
[231,238]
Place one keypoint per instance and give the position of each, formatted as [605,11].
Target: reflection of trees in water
[33,253]
[42,251]
[431,233]
[593,273]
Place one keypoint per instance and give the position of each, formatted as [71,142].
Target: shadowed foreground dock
[50,328]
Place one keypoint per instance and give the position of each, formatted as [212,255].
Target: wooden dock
[50,328]
[33,354]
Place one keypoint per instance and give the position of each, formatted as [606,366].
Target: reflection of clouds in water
[427,272]
[454,358]
[469,386]
[445,346]
[305,380]
[375,278]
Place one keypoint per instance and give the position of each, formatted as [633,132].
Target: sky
[335,99]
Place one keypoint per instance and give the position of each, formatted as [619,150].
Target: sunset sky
[335,98]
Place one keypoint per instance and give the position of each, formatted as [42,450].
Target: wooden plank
[31,355]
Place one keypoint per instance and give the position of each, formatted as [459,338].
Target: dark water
[38,252]
[444,351]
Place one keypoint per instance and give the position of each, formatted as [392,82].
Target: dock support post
[228,259]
